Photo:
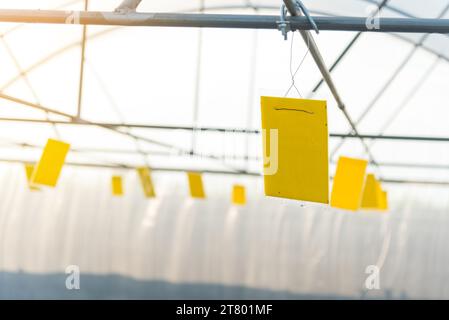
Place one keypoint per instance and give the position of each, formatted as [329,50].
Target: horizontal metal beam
[107,31]
[222,172]
[407,25]
[217,129]
[418,182]
[432,166]
[112,129]
[390,137]
[231,157]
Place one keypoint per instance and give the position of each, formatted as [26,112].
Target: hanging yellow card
[196,185]
[146,182]
[379,195]
[384,201]
[117,186]
[295,146]
[238,195]
[372,193]
[29,169]
[49,167]
[348,183]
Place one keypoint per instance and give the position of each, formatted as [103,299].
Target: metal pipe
[214,8]
[223,130]
[110,128]
[83,58]
[115,130]
[385,137]
[222,172]
[432,166]
[406,25]
[196,97]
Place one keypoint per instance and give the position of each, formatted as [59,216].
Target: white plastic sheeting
[270,244]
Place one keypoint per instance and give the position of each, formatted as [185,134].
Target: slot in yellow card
[372,193]
[348,183]
[295,146]
[29,169]
[196,185]
[117,186]
[238,195]
[49,167]
[146,182]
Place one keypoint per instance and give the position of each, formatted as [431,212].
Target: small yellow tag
[372,193]
[117,186]
[348,183]
[196,185]
[384,201]
[146,182]
[29,169]
[49,167]
[238,195]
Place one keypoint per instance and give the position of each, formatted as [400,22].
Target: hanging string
[293,74]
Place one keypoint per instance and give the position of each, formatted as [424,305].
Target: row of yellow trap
[296,161]
[196,186]
[353,189]
[46,173]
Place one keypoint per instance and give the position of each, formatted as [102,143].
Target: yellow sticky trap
[379,192]
[146,182]
[238,195]
[196,185]
[29,169]
[117,186]
[295,146]
[372,193]
[348,183]
[49,167]
[384,201]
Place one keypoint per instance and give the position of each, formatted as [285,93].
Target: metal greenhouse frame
[296,21]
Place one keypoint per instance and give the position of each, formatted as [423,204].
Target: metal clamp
[284,25]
